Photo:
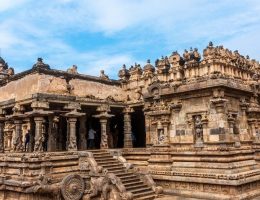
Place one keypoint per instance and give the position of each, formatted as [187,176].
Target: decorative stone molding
[94,168]
[147,179]
[75,106]
[72,187]
[117,154]
[40,105]
[104,185]
[128,143]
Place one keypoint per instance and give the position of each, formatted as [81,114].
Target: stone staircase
[130,180]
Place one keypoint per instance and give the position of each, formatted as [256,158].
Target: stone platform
[72,175]
[220,173]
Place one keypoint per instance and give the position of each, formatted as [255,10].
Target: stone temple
[187,126]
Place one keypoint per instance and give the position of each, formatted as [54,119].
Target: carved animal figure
[101,186]
[73,69]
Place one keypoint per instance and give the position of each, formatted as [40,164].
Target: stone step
[129,180]
[129,176]
[133,183]
[110,165]
[147,197]
[100,153]
[124,174]
[114,168]
[104,159]
[103,156]
[118,171]
[140,189]
[135,186]
[143,194]
[107,162]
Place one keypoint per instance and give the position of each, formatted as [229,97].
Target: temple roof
[3,63]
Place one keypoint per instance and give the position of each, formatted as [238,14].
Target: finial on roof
[41,64]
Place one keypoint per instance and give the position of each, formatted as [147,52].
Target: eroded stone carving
[73,69]
[198,130]
[72,187]
[109,187]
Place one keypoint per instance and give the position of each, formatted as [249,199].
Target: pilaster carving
[219,101]
[82,133]
[2,124]
[39,137]
[17,141]
[103,117]
[72,145]
[198,128]
[128,143]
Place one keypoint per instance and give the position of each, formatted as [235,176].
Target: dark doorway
[62,134]
[138,127]
[93,123]
[116,128]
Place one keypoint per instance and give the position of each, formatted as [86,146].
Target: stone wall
[25,86]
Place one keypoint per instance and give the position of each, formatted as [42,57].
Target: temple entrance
[62,134]
[116,129]
[138,127]
[94,124]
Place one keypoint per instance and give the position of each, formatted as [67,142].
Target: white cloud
[8,4]
[31,29]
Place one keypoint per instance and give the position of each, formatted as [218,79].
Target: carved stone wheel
[72,187]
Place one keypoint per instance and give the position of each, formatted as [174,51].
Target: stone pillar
[251,123]
[9,135]
[18,142]
[82,133]
[103,116]
[148,130]
[128,143]
[205,130]
[72,145]
[103,143]
[166,132]
[1,136]
[39,138]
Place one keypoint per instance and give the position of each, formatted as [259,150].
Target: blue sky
[104,34]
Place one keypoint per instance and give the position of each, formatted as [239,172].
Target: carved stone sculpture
[103,75]
[72,187]
[198,129]
[109,187]
[73,69]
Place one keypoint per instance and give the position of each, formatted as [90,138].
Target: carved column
[148,129]
[72,145]
[17,142]
[2,136]
[128,143]
[103,143]
[39,138]
[166,132]
[9,135]
[232,134]
[82,133]
[103,116]
[251,123]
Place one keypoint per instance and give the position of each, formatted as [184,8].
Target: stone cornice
[210,83]
[58,73]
